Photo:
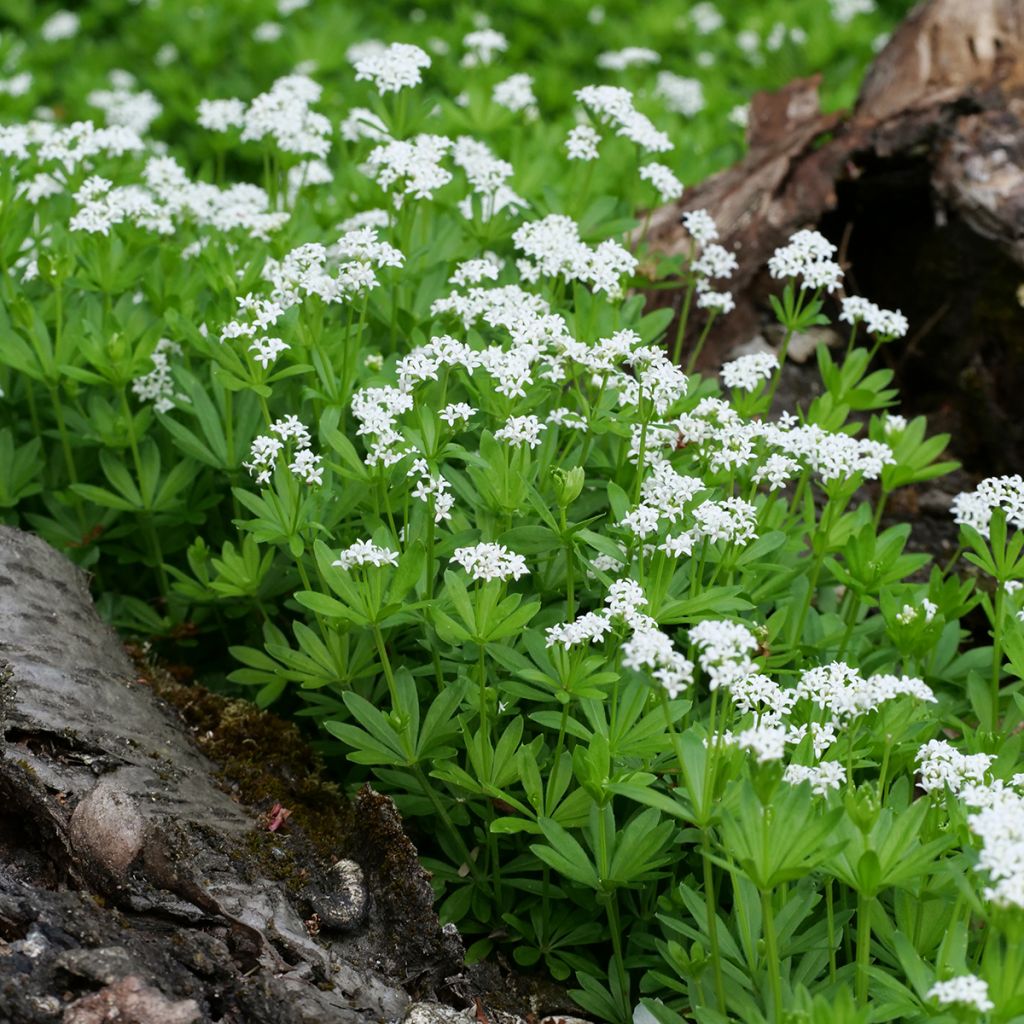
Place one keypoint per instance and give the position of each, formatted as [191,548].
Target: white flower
[668,186]
[747,372]
[394,68]
[482,45]
[554,246]
[456,412]
[733,520]
[588,628]
[306,466]
[283,113]
[365,552]
[822,777]
[157,386]
[844,11]
[777,470]
[268,32]
[965,990]
[630,56]
[581,143]
[740,115]
[520,430]
[721,302]
[885,323]
[941,764]
[488,561]
[361,123]
[625,598]
[706,18]
[516,93]
[221,115]
[765,742]
[476,270]
[975,508]
[681,95]
[651,649]
[700,226]
[807,255]
[613,105]
[724,651]
[414,164]
[60,25]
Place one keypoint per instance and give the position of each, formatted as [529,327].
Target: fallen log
[922,188]
[135,886]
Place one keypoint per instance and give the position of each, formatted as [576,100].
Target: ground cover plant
[347,346]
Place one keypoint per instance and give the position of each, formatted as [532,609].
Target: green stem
[712,912]
[783,349]
[449,825]
[691,363]
[570,567]
[771,949]
[385,663]
[684,313]
[997,652]
[863,946]
[830,916]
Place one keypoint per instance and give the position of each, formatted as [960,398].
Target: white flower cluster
[554,249]
[666,184]
[71,147]
[964,990]
[808,256]
[521,430]
[655,379]
[489,561]
[411,167]
[748,372]
[16,85]
[724,652]
[266,448]
[487,176]
[700,226]
[339,273]
[392,68]
[122,105]
[646,649]
[975,508]
[846,694]
[940,764]
[844,11]
[168,197]
[365,552]
[706,17]
[515,93]
[482,45]
[581,143]
[887,324]
[157,386]
[824,776]
[60,25]
[680,95]
[909,613]
[283,114]
[628,57]
[613,105]
[486,268]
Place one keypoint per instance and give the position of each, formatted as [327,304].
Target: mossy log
[136,882]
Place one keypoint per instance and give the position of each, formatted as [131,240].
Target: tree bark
[921,186]
[131,882]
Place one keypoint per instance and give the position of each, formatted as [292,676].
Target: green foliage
[667,704]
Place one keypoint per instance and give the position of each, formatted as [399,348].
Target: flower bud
[568,484]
